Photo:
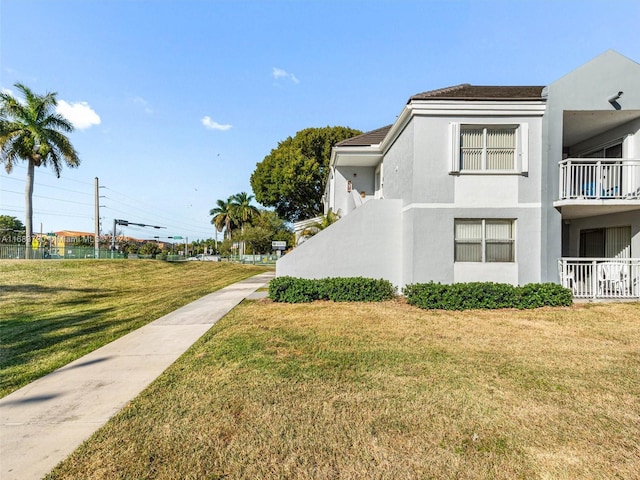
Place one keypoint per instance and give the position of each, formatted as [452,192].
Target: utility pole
[97,218]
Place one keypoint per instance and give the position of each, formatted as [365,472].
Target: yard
[54,311]
[387,391]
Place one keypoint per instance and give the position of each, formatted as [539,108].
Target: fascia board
[372,151]
[397,128]
[489,108]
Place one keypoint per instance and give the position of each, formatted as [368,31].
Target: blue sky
[176,101]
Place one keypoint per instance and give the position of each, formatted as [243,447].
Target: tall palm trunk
[28,203]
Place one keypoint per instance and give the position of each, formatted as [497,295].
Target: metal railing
[601,278]
[599,179]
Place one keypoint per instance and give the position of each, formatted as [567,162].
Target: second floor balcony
[594,186]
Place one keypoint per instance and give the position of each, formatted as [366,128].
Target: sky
[175,102]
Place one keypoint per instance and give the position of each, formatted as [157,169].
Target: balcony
[601,278]
[590,187]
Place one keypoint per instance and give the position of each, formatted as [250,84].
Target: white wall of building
[365,243]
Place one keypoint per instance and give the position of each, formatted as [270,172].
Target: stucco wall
[398,167]
[365,243]
[603,221]
[586,88]
[433,238]
[362,179]
[433,198]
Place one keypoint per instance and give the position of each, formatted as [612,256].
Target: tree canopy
[11,228]
[292,177]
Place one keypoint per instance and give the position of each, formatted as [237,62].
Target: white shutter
[454,132]
[524,147]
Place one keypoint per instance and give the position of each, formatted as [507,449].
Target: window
[484,240]
[489,148]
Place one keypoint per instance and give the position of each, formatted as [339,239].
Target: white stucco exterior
[400,198]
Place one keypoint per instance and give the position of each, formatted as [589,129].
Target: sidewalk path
[45,421]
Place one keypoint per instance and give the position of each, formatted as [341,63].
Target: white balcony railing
[599,179]
[601,278]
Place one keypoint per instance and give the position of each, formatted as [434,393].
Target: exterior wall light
[613,100]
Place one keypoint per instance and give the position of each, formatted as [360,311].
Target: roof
[367,139]
[73,233]
[466,91]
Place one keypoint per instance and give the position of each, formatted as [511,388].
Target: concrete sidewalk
[45,421]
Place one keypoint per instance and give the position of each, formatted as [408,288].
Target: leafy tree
[280,230]
[292,177]
[264,228]
[150,248]
[10,228]
[32,131]
[258,238]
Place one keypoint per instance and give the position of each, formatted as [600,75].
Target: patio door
[612,242]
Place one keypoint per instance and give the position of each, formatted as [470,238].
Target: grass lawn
[52,312]
[387,391]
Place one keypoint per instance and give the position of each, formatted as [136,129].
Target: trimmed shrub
[486,295]
[534,295]
[293,290]
[341,289]
[356,289]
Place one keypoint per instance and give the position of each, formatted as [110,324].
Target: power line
[12,208]
[45,172]
[38,184]
[151,213]
[48,198]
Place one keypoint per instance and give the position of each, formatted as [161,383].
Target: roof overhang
[571,209]
[579,125]
[356,156]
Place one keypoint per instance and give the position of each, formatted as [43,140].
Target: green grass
[52,312]
[386,391]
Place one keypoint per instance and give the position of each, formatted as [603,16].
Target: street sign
[279,245]
[177,237]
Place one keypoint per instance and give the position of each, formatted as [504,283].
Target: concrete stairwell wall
[365,243]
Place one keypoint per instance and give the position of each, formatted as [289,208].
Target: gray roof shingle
[367,139]
[467,91]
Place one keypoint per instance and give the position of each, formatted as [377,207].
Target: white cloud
[80,114]
[279,73]
[211,125]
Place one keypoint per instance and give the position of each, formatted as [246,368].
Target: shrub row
[486,295]
[349,289]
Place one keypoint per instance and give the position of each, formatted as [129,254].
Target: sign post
[279,246]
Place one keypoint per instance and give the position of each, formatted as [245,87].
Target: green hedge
[486,295]
[349,289]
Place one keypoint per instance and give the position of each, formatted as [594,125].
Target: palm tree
[244,211]
[325,221]
[32,131]
[224,216]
